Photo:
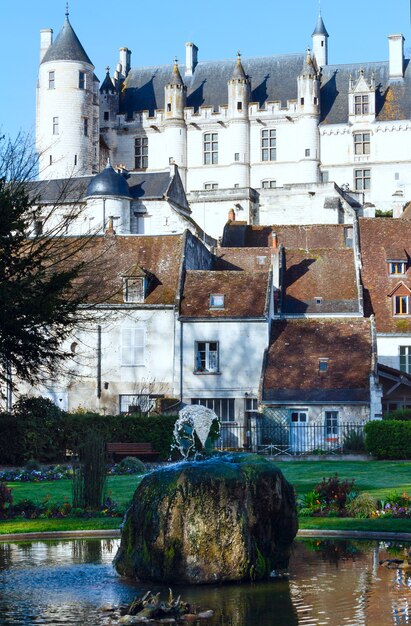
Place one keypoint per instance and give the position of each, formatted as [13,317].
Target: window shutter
[132,346]
[138,346]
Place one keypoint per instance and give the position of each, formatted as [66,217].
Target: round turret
[67,129]
[238,91]
[320,43]
[108,198]
[239,128]
[108,183]
[175,129]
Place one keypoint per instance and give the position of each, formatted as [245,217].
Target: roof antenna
[67,9]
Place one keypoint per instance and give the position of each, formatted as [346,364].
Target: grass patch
[20,525]
[347,523]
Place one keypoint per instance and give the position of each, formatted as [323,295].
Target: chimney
[46,39]
[396,56]
[110,228]
[125,60]
[191,58]
[274,241]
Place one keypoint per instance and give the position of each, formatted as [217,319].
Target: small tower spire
[67,10]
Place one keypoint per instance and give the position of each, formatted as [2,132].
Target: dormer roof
[320,28]
[401,289]
[66,47]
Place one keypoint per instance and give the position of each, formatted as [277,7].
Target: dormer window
[134,289]
[396,268]
[361,105]
[216,301]
[401,297]
[322,365]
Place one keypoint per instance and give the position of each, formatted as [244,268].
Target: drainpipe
[99,361]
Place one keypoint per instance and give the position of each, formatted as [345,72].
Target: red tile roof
[243,258]
[311,236]
[376,236]
[245,294]
[292,372]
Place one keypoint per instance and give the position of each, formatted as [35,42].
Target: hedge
[388,439]
[39,430]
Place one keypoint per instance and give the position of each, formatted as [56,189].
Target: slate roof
[272,78]
[310,236]
[237,234]
[320,27]
[326,274]
[240,301]
[291,372]
[66,47]
[376,235]
[248,259]
[108,183]
[144,185]
[109,258]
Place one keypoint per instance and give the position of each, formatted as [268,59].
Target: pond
[331,582]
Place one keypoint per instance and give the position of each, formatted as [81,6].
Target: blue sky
[156,32]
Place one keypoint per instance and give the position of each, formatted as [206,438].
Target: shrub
[32,464]
[362,506]
[398,414]
[131,465]
[89,478]
[388,439]
[334,491]
[354,441]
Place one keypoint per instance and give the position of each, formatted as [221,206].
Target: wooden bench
[131,449]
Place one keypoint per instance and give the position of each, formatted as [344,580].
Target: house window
[52,79]
[401,305]
[361,105]
[397,267]
[331,423]
[81,80]
[55,125]
[140,153]
[222,407]
[106,116]
[361,143]
[405,359]
[216,301]
[299,417]
[85,126]
[324,177]
[251,407]
[206,356]
[139,403]
[134,289]
[269,184]
[210,148]
[132,346]
[348,236]
[362,180]
[269,144]
[210,186]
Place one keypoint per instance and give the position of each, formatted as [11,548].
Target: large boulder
[229,518]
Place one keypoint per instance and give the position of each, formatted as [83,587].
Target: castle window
[85,126]
[141,153]
[269,184]
[81,80]
[361,105]
[50,160]
[210,149]
[210,186]
[106,116]
[324,177]
[169,107]
[236,156]
[269,144]
[75,159]
[307,152]
[362,180]
[52,77]
[361,143]
[55,125]
[239,106]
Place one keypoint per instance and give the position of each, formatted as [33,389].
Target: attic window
[322,365]
[401,305]
[134,289]
[216,301]
[361,105]
[261,260]
[396,267]
[318,300]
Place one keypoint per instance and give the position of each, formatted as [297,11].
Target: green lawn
[376,477]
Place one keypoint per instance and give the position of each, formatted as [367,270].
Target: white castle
[269,136]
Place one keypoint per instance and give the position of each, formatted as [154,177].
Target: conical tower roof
[239,70]
[319,27]
[108,85]
[308,67]
[175,78]
[66,47]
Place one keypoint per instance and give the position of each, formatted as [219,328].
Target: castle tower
[239,126]
[320,43]
[175,129]
[67,123]
[308,120]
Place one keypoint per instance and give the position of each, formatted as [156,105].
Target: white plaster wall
[241,351]
[388,348]
[316,413]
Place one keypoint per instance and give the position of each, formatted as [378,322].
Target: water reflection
[337,583]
